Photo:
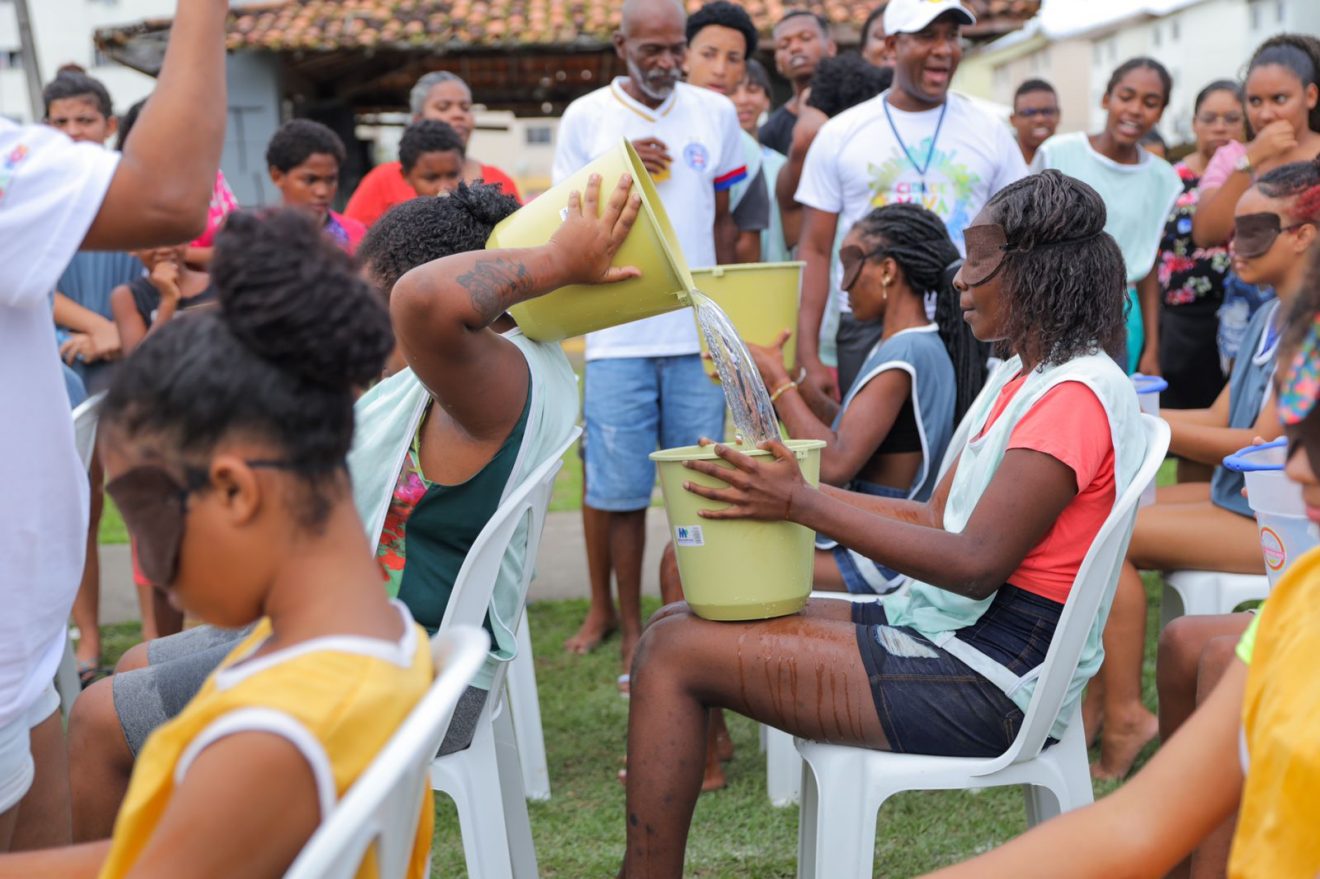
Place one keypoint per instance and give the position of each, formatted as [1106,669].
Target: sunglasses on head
[154,505]
[1254,234]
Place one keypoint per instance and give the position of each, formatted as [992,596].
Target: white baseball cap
[910,16]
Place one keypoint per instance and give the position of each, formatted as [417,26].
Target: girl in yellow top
[224,439]
[1255,740]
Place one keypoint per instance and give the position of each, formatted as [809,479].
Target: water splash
[753,414]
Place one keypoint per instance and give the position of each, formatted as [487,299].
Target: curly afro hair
[296,333]
[298,140]
[845,81]
[428,136]
[426,229]
[724,14]
[1060,302]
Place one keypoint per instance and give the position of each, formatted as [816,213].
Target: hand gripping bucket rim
[1285,531]
[737,569]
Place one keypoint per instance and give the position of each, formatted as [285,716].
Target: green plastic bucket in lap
[651,246]
[736,569]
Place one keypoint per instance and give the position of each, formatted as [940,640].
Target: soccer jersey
[950,160]
[700,129]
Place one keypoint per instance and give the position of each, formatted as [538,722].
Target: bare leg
[1210,860]
[671,582]
[825,574]
[169,619]
[1182,644]
[7,821]
[627,542]
[1183,530]
[602,620]
[779,671]
[1194,471]
[87,604]
[44,819]
[147,607]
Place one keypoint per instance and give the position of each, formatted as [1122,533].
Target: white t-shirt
[700,128]
[857,163]
[50,191]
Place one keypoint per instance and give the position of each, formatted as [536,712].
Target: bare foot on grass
[598,626]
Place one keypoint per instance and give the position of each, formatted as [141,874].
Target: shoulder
[1063,143]
[588,104]
[380,175]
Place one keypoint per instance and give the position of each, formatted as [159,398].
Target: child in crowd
[304,158]
[1139,189]
[145,304]
[751,97]
[1209,526]
[438,446]
[443,97]
[225,440]
[431,157]
[1251,748]
[1054,437]
[223,203]
[1192,278]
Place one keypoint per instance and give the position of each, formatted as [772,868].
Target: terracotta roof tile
[324,25]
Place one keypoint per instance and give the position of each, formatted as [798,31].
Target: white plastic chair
[85,418]
[525,705]
[485,779]
[382,805]
[1196,593]
[844,787]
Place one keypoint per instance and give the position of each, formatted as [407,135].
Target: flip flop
[624,684]
[90,672]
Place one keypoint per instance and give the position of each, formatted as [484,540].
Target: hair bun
[486,203]
[292,297]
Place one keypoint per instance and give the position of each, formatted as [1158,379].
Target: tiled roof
[327,25]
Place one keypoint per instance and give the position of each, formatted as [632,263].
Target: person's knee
[664,647]
[134,658]
[1215,659]
[94,726]
[1179,653]
[677,608]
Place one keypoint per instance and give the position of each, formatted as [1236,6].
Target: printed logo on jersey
[697,156]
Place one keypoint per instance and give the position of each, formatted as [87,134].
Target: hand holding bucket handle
[768,490]
[589,238]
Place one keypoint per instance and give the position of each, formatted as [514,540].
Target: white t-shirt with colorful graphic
[874,154]
[700,129]
[50,191]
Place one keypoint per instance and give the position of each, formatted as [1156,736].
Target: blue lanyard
[930,153]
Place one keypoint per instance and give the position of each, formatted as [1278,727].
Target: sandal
[624,684]
[91,672]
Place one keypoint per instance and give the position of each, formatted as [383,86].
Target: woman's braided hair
[917,240]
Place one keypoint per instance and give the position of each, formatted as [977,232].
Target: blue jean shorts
[861,575]
[635,405]
[931,703]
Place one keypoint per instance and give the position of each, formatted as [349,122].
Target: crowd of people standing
[300,404]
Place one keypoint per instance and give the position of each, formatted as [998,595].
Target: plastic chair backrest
[1096,580]
[475,584]
[85,418]
[383,805]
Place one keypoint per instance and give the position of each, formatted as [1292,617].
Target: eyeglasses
[1226,118]
[1033,112]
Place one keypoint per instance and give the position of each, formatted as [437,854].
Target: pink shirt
[1221,164]
[223,204]
[1068,424]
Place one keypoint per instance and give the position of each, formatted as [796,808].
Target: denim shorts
[856,568]
[931,703]
[635,405]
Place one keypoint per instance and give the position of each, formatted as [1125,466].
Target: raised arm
[162,188]
[1148,825]
[1213,221]
[443,310]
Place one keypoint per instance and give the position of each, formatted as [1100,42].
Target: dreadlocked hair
[917,240]
[1299,182]
[1060,302]
[1299,53]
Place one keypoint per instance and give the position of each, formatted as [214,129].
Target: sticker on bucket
[689,535]
[1271,546]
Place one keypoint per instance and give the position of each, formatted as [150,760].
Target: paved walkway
[561,570]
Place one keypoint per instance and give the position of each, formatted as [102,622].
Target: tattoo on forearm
[494,284]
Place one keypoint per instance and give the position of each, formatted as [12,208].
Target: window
[1156,36]
[1280,11]
[1175,31]
[10,59]
[1113,49]
[538,135]
[1254,12]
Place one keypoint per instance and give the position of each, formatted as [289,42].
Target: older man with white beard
[645,385]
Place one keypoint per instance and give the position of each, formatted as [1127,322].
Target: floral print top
[391,551]
[1189,273]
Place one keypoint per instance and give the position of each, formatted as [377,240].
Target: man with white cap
[915,142]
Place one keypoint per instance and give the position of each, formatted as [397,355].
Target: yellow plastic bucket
[651,246]
[761,300]
[736,569]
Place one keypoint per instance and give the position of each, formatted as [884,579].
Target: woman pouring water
[991,557]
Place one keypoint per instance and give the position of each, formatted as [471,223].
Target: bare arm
[804,132]
[1147,826]
[865,424]
[443,310]
[1028,492]
[69,862]
[132,328]
[726,231]
[1210,444]
[748,248]
[816,248]
[162,188]
[102,335]
[1213,221]
[1148,299]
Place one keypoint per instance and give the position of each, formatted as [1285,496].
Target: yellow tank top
[337,699]
[1276,830]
